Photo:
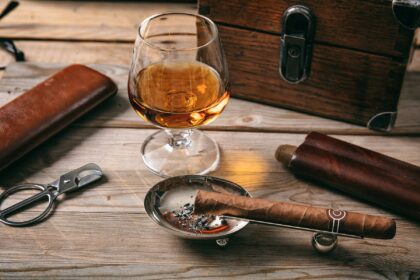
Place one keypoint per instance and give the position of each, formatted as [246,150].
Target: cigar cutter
[68,182]
[170,204]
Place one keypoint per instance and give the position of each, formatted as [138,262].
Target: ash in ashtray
[185,212]
[202,222]
[185,219]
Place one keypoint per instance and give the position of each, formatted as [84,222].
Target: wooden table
[104,231]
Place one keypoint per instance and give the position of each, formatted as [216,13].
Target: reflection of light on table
[246,161]
[247,168]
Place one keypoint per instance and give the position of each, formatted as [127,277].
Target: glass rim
[147,42]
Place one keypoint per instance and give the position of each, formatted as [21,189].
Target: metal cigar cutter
[170,204]
[71,181]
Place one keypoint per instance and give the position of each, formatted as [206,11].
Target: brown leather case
[369,175]
[42,111]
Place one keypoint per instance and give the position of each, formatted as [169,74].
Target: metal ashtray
[170,204]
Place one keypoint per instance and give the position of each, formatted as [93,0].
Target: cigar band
[335,217]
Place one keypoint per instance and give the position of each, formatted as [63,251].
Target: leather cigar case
[366,174]
[42,111]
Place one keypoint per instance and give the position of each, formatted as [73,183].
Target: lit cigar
[305,216]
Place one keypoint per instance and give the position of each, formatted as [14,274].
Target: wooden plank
[78,235]
[239,115]
[103,231]
[414,63]
[346,24]
[409,105]
[83,20]
[247,161]
[73,241]
[117,112]
[72,52]
[344,84]
[182,271]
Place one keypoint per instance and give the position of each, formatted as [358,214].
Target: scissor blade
[79,177]
[89,176]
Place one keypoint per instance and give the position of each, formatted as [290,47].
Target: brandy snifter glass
[178,81]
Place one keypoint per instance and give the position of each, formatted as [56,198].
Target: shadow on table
[49,152]
[265,246]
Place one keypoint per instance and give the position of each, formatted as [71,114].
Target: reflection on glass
[178,80]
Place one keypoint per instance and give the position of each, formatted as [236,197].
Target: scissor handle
[45,192]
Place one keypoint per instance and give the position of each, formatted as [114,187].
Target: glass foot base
[182,153]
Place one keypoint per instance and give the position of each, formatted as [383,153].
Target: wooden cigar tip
[284,153]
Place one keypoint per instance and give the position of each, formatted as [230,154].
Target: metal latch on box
[296,43]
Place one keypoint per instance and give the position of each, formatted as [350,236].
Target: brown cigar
[366,174]
[306,216]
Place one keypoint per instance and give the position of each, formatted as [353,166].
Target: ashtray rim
[152,213]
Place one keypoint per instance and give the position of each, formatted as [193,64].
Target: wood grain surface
[114,209]
[361,85]
[72,52]
[240,115]
[119,53]
[346,24]
[111,21]
[103,232]
[79,231]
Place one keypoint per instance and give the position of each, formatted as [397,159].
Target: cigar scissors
[68,182]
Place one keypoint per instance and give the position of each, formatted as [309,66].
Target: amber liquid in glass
[179,94]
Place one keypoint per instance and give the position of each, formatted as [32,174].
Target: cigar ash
[170,204]
[185,220]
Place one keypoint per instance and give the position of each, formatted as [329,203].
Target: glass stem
[179,138]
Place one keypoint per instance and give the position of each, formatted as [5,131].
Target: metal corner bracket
[407,13]
[383,121]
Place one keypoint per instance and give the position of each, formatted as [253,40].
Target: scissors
[68,182]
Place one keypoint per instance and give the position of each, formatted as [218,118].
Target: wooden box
[357,56]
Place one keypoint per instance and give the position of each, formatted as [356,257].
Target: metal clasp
[296,44]
[407,12]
